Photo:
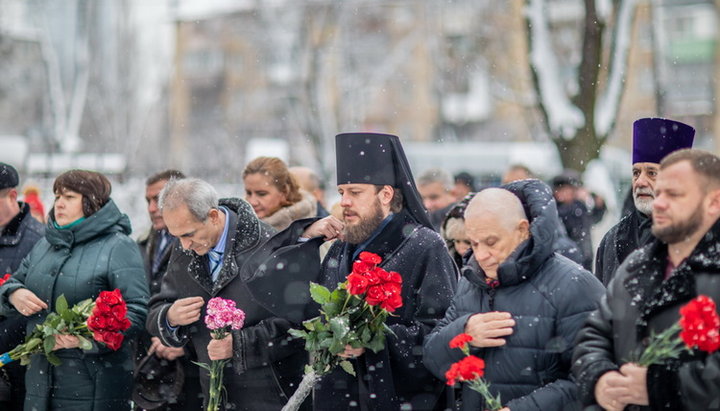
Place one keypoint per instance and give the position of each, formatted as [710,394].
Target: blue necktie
[215,258]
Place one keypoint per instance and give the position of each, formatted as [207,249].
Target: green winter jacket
[80,262]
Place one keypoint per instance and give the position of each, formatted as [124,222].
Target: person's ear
[713,202]
[386,194]
[214,215]
[524,228]
[13,194]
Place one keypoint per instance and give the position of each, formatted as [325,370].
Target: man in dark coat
[436,189]
[156,248]
[522,303]
[382,214]
[216,240]
[653,139]
[310,182]
[649,288]
[574,214]
[19,232]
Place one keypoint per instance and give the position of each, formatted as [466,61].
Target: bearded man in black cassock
[653,139]
[382,214]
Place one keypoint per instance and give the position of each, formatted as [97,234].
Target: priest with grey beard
[382,214]
[653,139]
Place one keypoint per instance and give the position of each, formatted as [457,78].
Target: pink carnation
[222,313]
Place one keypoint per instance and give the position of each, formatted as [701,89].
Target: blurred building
[302,71]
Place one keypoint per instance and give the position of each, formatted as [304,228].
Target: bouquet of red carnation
[699,327]
[108,319]
[222,315]
[102,320]
[353,314]
[5,278]
[471,370]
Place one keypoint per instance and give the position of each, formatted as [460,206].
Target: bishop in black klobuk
[394,377]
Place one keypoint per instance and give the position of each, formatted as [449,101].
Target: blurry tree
[579,104]
[94,87]
[335,77]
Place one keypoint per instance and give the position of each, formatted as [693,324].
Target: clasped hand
[615,390]
[487,328]
[163,351]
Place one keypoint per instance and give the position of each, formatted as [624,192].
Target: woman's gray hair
[197,195]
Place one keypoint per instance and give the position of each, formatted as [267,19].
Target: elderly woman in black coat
[522,303]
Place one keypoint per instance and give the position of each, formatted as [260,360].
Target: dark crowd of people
[513,267]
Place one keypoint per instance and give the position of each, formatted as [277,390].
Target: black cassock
[631,233]
[395,376]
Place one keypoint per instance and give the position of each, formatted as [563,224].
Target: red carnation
[101,307]
[125,324]
[471,367]
[375,295]
[372,276]
[113,340]
[392,303]
[383,275]
[119,311]
[110,297]
[97,322]
[700,324]
[467,369]
[361,267]
[395,277]
[460,340]
[452,375]
[5,278]
[357,284]
[115,324]
[370,258]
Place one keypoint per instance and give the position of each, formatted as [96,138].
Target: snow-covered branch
[564,118]
[609,101]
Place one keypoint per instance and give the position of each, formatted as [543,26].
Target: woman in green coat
[86,250]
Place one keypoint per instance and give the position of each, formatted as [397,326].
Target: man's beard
[644,205]
[360,232]
[680,231]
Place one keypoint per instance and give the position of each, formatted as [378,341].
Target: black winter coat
[16,241]
[578,224]
[549,297]
[191,395]
[267,364]
[18,238]
[640,301]
[395,375]
[631,233]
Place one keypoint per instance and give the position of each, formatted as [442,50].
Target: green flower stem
[216,370]
[216,384]
[347,300]
[483,388]
[662,346]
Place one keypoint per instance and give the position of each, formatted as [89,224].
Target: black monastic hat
[281,273]
[655,138]
[374,158]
